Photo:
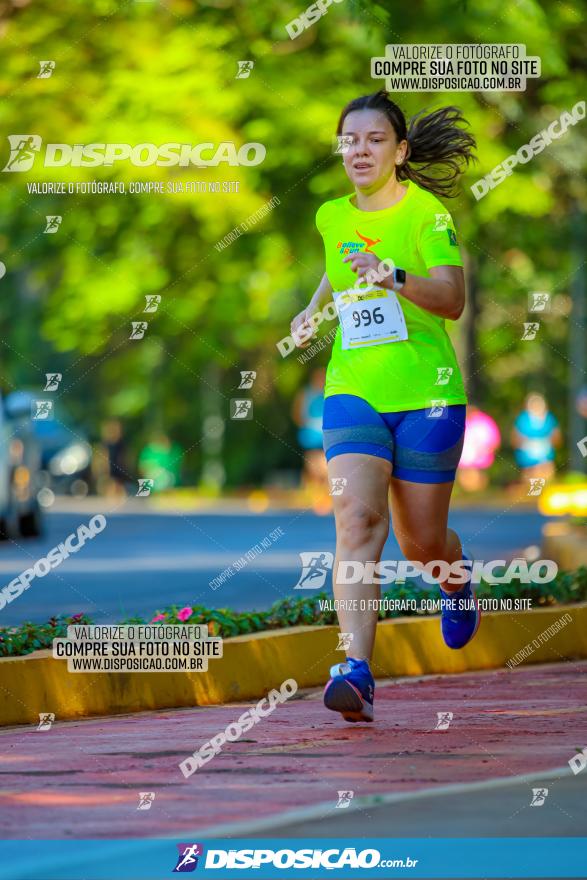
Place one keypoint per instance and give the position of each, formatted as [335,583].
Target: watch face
[400,276]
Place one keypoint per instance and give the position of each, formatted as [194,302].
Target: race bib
[370,315]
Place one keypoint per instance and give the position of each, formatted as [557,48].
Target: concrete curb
[254,664]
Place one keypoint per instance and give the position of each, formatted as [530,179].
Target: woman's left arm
[556,438]
[442,294]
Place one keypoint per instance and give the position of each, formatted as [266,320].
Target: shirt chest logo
[353,247]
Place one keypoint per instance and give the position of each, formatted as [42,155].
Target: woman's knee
[358,525]
[421,548]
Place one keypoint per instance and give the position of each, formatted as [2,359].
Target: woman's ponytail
[439,148]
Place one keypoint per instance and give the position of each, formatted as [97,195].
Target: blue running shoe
[460,618]
[351,690]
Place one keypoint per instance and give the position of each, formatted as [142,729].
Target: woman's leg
[420,515]
[426,454]
[420,523]
[362,525]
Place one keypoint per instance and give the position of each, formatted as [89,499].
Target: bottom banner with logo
[270,858]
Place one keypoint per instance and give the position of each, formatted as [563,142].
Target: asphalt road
[141,562]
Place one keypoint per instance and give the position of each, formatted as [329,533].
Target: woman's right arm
[516,438]
[322,295]
[302,326]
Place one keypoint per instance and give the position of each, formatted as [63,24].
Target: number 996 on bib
[370,316]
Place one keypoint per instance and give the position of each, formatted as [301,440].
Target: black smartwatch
[399,278]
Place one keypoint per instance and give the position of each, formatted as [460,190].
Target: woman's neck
[382,198]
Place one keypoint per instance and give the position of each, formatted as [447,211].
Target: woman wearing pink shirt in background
[482,439]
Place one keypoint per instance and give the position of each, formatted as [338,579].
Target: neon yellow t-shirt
[416,233]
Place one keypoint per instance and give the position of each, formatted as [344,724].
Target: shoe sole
[341,696]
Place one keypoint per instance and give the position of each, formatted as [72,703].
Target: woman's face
[536,405]
[373,153]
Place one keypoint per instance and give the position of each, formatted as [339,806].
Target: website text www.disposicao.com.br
[329,859]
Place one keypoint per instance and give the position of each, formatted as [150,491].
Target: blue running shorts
[423,445]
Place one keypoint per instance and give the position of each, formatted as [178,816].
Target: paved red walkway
[82,779]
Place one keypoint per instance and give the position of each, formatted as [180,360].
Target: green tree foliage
[150,72]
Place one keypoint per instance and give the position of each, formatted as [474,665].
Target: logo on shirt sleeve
[441,223]
[452,236]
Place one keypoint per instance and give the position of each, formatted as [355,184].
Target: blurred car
[66,455]
[20,471]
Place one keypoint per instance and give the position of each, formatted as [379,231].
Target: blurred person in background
[308,408]
[110,464]
[482,439]
[160,461]
[535,436]
[581,402]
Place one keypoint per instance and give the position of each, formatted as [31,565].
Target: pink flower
[184,613]
[157,618]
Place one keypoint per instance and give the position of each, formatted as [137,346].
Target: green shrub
[568,587]
[27,637]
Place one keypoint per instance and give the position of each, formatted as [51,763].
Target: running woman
[394,412]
